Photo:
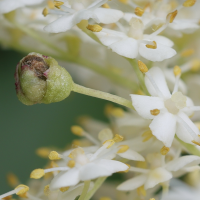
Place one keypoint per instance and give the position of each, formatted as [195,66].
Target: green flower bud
[39,79]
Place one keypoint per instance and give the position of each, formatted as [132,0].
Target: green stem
[97,185]
[191,148]
[139,75]
[102,95]
[85,190]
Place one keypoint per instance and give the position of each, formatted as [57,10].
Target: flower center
[175,103]
[136,29]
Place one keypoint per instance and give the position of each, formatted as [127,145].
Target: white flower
[9,5]
[158,171]
[82,167]
[72,16]
[134,42]
[169,112]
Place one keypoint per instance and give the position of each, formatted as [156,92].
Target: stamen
[50,4]
[194,108]
[139,11]
[94,28]
[195,142]
[21,189]
[197,124]
[152,199]
[45,12]
[123,148]
[155,112]
[77,130]
[177,73]
[189,3]
[105,134]
[54,155]
[57,4]
[43,152]
[187,52]
[152,45]
[164,150]
[148,135]
[127,170]
[64,189]
[195,65]
[56,169]
[124,1]
[143,68]
[105,5]
[46,190]
[109,143]
[12,180]
[141,191]
[171,16]
[37,173]
[71,163]
[74,153]
[118,138]
[8,197]
[117,112]
[140,92]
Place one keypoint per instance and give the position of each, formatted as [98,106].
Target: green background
[25,128]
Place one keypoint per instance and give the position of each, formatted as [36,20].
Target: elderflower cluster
[141,54]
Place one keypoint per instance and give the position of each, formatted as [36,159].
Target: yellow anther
[21,189]
[177,70]
[152,46]
[155,112]
[105,5]
[12,179]
[187,52]
[76,143]
[64,189]
[77,130]
[129,166]
[197,124]
[94,28]
[152,199]
[118,138]
[46,190]
[171,16]
[195,66]
[124,1]
[57,4]
[43,152]
[71,163]
[117,112]
[83,119]
[189,3]
[123,148]
[110,143]
[141,191]
[140,92]
[141,164]
[195,142]
[24,195]
[105,198]
[50,4]
[8,197]
[147,135]
[74,153]
[164,150]
[143,68]
[156,27]
[139,11]
[37,173]
[54,155]
[45,12]
[108,109]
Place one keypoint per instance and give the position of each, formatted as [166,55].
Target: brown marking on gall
[37,64]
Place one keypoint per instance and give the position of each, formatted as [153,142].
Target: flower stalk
[85,190]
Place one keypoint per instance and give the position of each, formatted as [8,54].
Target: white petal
[160,81]
[113,165]
[163,127]
[156,176]
[108,16]
[161,53]
[182,132]
[65,179]
[184,161]
[32,2]
[9,5]
[187,110]
[108,37]
[131,155]
[92,171]
[129,16]
[132,183]
[62,24]
[163,40]
[143,105]
[128,47]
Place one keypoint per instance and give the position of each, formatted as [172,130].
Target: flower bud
[39,79]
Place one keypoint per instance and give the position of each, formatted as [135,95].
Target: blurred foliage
[26,128]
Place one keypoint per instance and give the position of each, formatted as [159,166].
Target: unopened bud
[39,79]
